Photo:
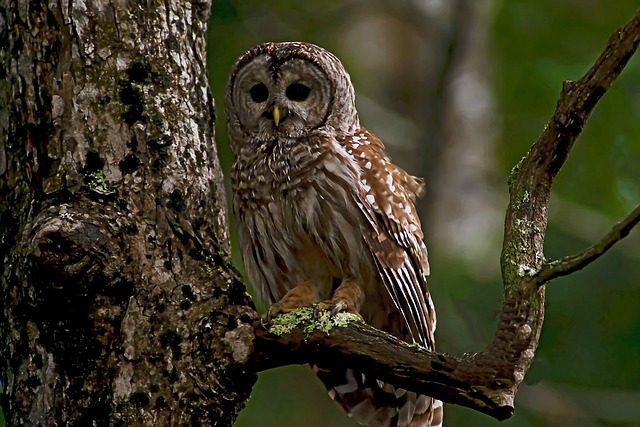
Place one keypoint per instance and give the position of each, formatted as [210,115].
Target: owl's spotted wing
[386,196]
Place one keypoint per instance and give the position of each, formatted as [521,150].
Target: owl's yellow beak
[276,114]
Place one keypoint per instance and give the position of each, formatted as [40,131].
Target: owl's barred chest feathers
[298,209]
[281,165]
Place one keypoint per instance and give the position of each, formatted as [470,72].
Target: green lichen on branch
[303,317]
[514,172]
[522,199]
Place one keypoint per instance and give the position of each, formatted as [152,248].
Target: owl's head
[287,90]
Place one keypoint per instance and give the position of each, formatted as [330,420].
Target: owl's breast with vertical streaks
[302,225]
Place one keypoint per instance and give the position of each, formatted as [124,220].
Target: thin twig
[569,264]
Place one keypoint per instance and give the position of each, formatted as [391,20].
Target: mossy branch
[346,341]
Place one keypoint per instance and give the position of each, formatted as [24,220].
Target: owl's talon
[302,295]
[333,306]
[264,323]
[348,297]
[334,310]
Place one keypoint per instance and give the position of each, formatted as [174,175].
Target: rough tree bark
[118,305]
[115,295]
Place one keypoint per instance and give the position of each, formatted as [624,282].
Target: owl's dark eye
[297,92]
[259,92]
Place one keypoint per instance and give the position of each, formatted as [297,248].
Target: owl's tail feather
[373,403]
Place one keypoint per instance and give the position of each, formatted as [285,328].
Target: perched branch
[569,264]
[487,381]
[467,380]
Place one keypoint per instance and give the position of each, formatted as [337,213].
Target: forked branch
[487,381]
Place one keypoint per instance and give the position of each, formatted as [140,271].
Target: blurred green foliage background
[459,90]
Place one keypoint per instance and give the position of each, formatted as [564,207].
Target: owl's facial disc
[286,101]
[303,94]
[252,98]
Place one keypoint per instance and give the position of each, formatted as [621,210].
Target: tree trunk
[116,293]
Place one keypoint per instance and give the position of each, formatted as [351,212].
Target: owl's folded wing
[386,196]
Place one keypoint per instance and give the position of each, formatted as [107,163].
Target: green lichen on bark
[304,318]
[97,182]
[521,199]
[514,172]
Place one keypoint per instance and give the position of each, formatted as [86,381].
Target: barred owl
[323,217]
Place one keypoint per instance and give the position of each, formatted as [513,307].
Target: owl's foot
[302,295]
[347,298]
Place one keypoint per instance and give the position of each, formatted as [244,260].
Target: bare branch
[569,264]
[531,180]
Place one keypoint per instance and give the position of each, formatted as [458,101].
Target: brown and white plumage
[322,213]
